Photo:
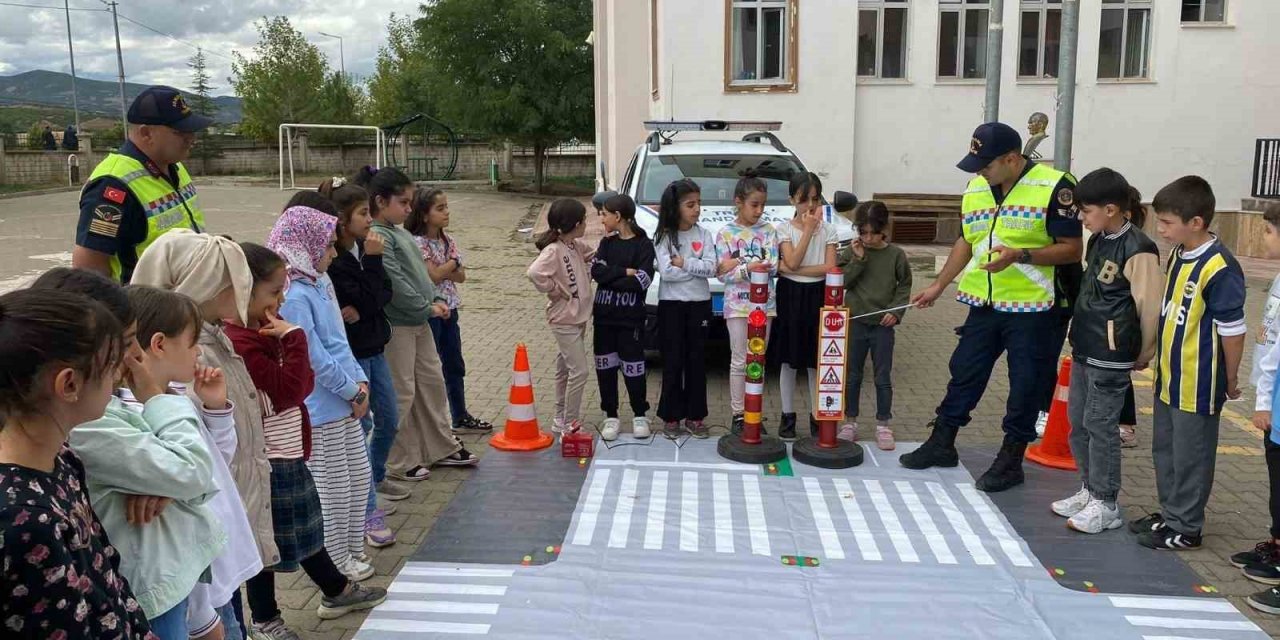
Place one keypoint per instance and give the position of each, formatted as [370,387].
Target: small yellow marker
[551,549]
[1059,572]
[528,558]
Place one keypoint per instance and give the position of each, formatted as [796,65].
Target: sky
[37,38]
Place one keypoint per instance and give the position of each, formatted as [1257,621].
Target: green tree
[402,82]
[519,69]
[341,102]
[202,103]
[282,82]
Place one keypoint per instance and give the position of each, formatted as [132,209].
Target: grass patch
[20,188]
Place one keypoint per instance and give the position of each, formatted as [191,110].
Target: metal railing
[1266,168]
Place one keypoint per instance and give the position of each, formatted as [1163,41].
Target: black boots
[1006,471]
[787,428]
[938,451]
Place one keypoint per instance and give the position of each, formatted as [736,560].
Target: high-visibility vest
[166,209]
[1020,222]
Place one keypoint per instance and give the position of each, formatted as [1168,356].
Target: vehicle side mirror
[845,201]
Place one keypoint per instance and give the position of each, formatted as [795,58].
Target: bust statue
[1036,125]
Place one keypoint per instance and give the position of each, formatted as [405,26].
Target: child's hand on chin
[211,388]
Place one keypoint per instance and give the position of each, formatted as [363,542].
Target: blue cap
[165,106]
[990,141]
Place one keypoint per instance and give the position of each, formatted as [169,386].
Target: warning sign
[831,378]
[830,406]
[832,351]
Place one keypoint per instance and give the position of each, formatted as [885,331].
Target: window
[882,38]
[962,38]
[1124,39]
[1040,39]
[762,44]
[717,175]
[1204,10]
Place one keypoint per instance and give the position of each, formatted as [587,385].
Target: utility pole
[75,100]
[1066,85]
[342,56]
[124,106]
[995,43]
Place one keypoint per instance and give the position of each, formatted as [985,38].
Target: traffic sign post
[752,446]
[833,340]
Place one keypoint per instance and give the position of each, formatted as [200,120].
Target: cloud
[37,39]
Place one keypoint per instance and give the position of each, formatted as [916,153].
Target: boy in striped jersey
[1201,338]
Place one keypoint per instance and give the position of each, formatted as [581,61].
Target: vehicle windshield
[717,175]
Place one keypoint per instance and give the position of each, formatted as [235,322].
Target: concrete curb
[37,192]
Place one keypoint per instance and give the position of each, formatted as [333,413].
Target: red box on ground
[577,445]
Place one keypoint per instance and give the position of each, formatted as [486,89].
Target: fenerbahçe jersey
[1203,302]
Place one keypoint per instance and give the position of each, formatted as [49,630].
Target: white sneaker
[1075,504]
[1042,421]
[356,571]
[557,425]
[609,432]
[1096,517]
[640,427]
[848,432]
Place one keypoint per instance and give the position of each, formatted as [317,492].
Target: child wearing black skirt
[808,250]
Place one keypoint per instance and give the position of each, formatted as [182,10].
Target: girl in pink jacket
[561,271]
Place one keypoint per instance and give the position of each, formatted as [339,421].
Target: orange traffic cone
[521,432]
[1053,450]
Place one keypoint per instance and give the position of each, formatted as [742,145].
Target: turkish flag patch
[113,194]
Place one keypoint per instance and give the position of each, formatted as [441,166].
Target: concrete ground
[501,308]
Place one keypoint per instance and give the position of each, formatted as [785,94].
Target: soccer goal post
[285,142]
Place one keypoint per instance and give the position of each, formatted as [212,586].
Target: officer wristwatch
[1025,258]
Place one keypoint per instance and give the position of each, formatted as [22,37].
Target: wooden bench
[922,218]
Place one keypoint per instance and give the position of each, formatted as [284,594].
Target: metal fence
[1266,168]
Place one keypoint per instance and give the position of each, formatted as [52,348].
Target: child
[686,259]
[340,396]
[62,352]
[363,289]
[808,250]
[876,276]
[1262,564]
[427,221]
[560,271]
[1113,332]
[425,436]
[1201,340]
[742,245]
[213,271]
[623,267]
[158,452]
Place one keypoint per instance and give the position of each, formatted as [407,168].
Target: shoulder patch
[106,221]
[114,195]
[1066,197]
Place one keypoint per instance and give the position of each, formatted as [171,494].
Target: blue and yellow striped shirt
[1203,302]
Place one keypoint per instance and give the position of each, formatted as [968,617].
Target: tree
[520,69]
[341,102]
[35,137]
[402,82]
[202,103]
[282,83]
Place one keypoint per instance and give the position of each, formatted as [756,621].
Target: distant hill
[52,89]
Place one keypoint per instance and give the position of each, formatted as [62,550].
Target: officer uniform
[130,201]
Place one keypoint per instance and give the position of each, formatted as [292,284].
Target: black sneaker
[1268,574]
[1148,523]
[1266,601]
[1006,471]
[739,423]
[472,424]
[1265,552]
[1166,539]
[462,458]
[938,451]
[787,428]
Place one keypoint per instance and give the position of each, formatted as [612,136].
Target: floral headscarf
[301,236]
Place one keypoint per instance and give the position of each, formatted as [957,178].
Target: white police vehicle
[717,165]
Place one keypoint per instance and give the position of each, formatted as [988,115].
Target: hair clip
[338,181]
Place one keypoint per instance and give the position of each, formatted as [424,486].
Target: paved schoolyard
[501,309]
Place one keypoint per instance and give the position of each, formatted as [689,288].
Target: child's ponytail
[748,184]
[565,214]
[1137,211]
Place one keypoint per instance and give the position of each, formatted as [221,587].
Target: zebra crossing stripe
[857,522]
[689,511]
[924,521]
[423,626]
[452,589]
[439,606]
[972,543]
[992,522]
[897,535]
[655,528]
[622,511]
[723,512]
[756,525]
[591,508]
[1205,605]
[1174,638]
[822,519]
[1186,623]
[460,572]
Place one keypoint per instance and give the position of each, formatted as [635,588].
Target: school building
[881,96]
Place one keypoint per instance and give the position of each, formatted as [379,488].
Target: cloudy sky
[37,39]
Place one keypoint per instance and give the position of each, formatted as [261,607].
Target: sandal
[462,458]
[416,474]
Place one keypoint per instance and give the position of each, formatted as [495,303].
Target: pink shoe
[884,437]
[848,432]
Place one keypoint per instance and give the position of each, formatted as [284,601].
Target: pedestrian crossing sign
[831,353]
[831,377]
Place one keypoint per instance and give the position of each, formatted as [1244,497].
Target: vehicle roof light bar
[712,125]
